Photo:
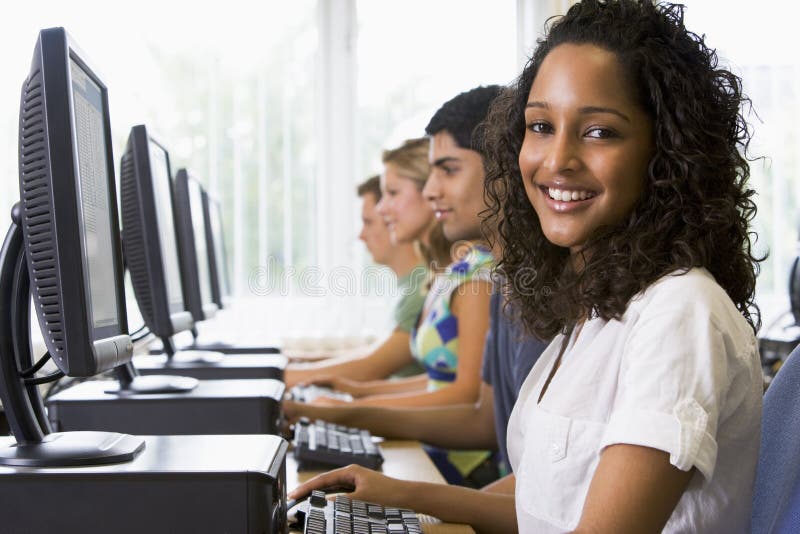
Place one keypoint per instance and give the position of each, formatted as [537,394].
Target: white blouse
[679,372]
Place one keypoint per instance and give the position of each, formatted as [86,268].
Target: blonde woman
[410,219]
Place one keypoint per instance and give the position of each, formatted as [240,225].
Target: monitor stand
[177,484]
[221,347]
[129,381]
[34,444]
[197,356]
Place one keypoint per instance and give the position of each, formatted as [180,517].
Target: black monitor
[217,254]
[149,235]
[63,249]
[193,246]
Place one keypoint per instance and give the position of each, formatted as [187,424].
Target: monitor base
[197,356]
[155,384]
[71,449]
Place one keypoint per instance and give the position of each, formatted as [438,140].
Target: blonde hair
[411,160]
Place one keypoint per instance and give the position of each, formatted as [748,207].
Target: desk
[404,460]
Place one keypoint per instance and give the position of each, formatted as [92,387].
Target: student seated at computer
[618,164]
[405,260]
[414,241]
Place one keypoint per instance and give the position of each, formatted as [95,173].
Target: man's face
[455,187]
[374,232]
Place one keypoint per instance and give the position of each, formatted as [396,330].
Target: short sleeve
[675,371]
[407,310]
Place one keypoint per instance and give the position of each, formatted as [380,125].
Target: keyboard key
[324,444]
[350,516]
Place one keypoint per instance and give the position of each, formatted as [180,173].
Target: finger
[338,477]
[292,411]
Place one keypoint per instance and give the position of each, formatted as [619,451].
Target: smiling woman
[617,175]
[587,144]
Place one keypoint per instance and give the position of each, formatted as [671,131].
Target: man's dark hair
[371,185]
[460,116]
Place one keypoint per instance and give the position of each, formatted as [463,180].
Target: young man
[402,258]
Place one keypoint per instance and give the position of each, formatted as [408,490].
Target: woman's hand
[364,484]
[355,388]
[293,410]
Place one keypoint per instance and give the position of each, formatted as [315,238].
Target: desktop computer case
[197,484]
[214,407]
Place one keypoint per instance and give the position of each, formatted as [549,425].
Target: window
[242,96]
[415,55]
[751,39]
[230,91]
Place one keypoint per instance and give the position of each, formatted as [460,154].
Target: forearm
[452,394]
[454,426]
[387,387]
[388,357]
[485,512]
[298,373]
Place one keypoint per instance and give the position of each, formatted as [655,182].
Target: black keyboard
[326,444]
[350,516]
[308,393]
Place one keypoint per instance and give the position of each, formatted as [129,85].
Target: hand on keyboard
[341,384]
[309,393]
[368,485]
[293,410]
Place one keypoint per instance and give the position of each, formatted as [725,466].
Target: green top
[412,290]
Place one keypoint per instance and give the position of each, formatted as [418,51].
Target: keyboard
[308,393]
[326,444]
[350,516]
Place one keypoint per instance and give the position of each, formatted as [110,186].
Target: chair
[776,500]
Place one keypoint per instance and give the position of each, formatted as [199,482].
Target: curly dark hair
[462,114]
[695,208]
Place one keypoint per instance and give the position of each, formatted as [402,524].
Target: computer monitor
[149,234]
[193,244]
[66,231]
[794,290]
[217,254]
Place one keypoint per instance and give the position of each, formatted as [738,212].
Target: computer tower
[214,484]
[213,407]
[232,366]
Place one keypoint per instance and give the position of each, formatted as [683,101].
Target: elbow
[465,393]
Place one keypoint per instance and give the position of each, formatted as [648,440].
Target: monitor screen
[159,171]
[95,213]
[219,247]
[200,241]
